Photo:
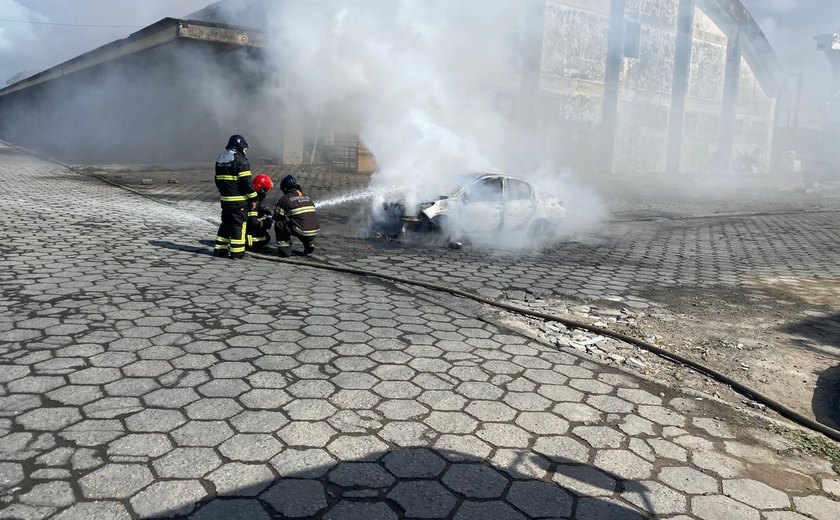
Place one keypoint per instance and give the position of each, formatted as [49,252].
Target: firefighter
[295,216]
[237,195]
[259,218]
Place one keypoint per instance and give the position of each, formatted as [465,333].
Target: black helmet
[238,143]
[289,183]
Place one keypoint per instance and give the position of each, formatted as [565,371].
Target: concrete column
[679,88]
[730,101]
[294,121]
[615,57]
[532,49]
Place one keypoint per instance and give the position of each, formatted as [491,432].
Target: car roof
[479,175]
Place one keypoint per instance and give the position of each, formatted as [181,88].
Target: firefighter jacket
[298,211]
[259,221]
[233,179]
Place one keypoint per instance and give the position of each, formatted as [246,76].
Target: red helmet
[263,184]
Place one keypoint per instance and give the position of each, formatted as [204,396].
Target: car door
[482,205]
[520,204]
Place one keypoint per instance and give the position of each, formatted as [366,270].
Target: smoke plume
[432,87]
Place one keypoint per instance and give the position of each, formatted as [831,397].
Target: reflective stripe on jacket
[300,212]
[233,180]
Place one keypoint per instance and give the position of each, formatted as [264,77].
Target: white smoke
[432,87]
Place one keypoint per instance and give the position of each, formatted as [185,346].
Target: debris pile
[607,349]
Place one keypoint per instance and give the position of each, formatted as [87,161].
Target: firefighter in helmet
[259,218]
[295,216]
[237,195]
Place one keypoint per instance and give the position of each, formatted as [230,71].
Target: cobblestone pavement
[142,378]
[768,279]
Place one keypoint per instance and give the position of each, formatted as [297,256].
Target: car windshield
[455,184]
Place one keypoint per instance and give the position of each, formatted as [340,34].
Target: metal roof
[159,33]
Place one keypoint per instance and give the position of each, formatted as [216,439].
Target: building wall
[574,73]
[646,82]
[178,102]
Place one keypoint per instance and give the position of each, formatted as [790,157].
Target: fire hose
[748,392]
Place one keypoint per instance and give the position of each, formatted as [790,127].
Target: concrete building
[636,85]
[165,93]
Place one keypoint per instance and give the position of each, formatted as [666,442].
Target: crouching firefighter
[295,216]
[237,195]
[259,218]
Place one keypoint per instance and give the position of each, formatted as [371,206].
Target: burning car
[486,203]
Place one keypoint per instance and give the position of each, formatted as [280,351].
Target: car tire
[542,229]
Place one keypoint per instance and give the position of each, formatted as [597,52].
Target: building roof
[162,32]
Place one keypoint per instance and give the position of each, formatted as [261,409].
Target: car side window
[485,190]
[518,190]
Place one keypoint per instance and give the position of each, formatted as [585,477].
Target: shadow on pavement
[823,329]
[415,483]
[826,401]
[199,250]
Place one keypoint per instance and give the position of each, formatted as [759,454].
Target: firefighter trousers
[230,238]
[284,232]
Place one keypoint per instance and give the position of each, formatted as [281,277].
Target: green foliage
[812,445]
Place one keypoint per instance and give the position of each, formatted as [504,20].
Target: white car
[489,203]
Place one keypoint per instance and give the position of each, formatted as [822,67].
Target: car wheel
[541,229]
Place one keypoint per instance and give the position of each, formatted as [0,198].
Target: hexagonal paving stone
[624,464]
[504,435]
[98,510]
[361,475]
[451,422]
[309,409]
[490,411]
[115,481]
[688,480]
[11,474]
[296,498]
[155,420]
[347,510]
[755,494]
[223,388]
[423,499]
[140,445]
[171,397]
[482,510]
[475,481]
[185,463]
[236,509]
[264,399]
[655,498]
[542,423]
[458,448]
[164,499]
[358,448]
[303,463]
[401,409]
[236,479]
[49,419]
[717,507]
[820,508]
[202,433]
[540,499]
[253,447]
[213,408]
[405,433]
[600,436]
[315,435]
[259,421]
[414,463]
[49,494]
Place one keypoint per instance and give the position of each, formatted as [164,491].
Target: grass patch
[812,445]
